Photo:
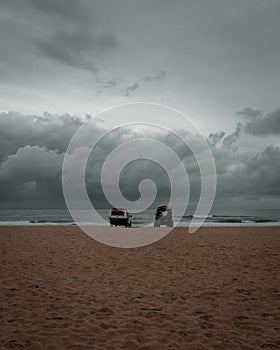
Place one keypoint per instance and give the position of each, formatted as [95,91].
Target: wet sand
[216,289]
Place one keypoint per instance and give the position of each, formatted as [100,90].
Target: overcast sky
[208,59]
[217,61]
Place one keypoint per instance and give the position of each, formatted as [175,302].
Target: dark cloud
[256,177]
[31,163]
[51,131]
[32,156]
[31,176]
[264,125]
[130,89]
[266,165]
[231,139]
[77,48]
[70,9]
[46,38]
[77,38]
[214,138]
[249,113]
[256,124]
[148,79]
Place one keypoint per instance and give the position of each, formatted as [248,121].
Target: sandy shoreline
[216,289]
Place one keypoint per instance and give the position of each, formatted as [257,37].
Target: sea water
[221,217]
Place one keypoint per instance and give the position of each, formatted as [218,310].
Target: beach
[216,289]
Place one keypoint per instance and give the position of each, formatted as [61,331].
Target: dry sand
[216,289]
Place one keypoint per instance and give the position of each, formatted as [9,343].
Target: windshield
[117,212]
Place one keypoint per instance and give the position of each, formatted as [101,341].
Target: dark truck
[120,217]
[163,216]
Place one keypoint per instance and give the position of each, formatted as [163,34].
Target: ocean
[221,217]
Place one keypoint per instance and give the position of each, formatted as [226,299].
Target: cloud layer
[204,58]
[32,157]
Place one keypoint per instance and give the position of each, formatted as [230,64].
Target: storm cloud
[51,131]
[263,125]
[32,158]
[76,48]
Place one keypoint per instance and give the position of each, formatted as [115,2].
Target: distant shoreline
[218,218]
[205,225]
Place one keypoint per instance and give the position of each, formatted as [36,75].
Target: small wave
[260,221]
[230,220]
[227,219]
[43,221]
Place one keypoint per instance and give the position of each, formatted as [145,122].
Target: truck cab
[120,217]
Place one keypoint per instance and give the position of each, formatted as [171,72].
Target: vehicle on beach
[163,216]
[120,217]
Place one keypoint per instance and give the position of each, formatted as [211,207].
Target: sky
[62,61]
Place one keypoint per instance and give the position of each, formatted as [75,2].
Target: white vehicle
[120,217]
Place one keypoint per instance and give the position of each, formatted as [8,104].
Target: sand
[216,289]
